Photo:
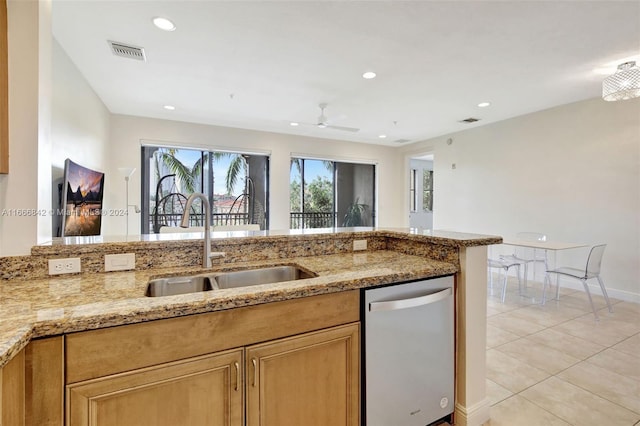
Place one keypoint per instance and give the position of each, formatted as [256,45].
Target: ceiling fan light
[624,84]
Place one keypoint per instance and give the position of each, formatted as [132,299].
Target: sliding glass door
[326,194]
[235,183]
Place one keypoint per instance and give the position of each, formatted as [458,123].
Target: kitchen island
[35,307]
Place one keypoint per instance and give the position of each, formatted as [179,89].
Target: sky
[313,168]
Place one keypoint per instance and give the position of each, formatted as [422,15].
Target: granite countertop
[53,306]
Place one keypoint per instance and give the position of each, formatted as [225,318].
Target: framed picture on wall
[82,200]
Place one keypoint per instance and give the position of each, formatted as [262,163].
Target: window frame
[206,178]
[335,186]
[427,189]
[413,192]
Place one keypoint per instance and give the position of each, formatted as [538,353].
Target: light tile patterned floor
[555,365]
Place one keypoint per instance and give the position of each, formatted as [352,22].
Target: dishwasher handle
[393,305]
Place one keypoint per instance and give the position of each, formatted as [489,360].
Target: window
[325,194]
[427,190]
[235,183]
[413,201]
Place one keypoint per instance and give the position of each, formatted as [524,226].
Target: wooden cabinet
[44,382]
[12,388]
[286,363]
[310,380]
[297,362]
[201,391]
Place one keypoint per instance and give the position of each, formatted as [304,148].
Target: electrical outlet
[359,245]
[69,265]
[119,262]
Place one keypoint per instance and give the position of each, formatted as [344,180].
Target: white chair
[527,255]
[504,265]
[592,270]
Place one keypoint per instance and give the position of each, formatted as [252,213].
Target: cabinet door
[312,380]
[206,390]
[12,392]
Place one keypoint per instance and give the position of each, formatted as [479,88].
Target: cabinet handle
[255,371]
[237,374]
[392,305]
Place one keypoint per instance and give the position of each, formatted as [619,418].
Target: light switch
[119,262]
[359,245]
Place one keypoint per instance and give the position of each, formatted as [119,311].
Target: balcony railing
[217,219]
[299,220]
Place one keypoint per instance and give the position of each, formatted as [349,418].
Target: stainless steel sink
[221,280]
[178,285]
[250,277]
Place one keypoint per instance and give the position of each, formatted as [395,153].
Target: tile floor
[555,365]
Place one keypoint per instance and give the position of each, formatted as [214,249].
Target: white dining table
[544,245]
[547,246]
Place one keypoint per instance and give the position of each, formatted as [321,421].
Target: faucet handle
[217,254]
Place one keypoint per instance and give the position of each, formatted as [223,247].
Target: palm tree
[187,177]
[236,166]
[184,174]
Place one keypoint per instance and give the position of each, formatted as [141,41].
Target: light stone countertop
[53,306]
[34,305]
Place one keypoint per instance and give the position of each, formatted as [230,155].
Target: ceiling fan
[323,122]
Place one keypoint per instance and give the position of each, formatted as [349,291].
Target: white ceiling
[261,64]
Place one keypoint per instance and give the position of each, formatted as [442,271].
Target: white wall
[25,207]
[127,133]
[54,114]
[80,122]
[572,172]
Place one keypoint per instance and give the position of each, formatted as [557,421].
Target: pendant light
[624,84]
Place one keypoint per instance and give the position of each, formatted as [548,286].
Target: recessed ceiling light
[369,75]
[382,136]
[164,24]
[484,104]
[293,124]
[169,107]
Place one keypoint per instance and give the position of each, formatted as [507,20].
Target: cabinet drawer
[97,353]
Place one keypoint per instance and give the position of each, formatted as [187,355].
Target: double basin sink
[222,280]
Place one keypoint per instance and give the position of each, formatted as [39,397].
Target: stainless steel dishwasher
[408,353]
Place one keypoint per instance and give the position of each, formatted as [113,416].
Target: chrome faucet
[206,254]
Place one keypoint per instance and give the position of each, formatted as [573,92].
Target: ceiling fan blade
[345,129]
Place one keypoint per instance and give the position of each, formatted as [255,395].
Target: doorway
[421,191]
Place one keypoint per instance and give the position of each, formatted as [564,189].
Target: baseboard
[626,296]
[476,415]
[594,288]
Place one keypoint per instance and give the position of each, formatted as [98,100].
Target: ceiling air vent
[127,51]
[469,120]
[402,140]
